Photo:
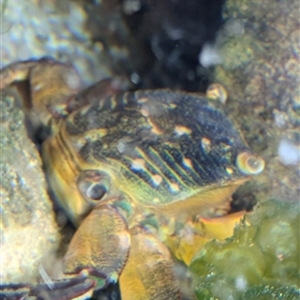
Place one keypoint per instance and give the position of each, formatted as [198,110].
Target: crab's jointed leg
[74,288]
[105,248]
[52,86]
[148,274]
[100,246]
[194,235]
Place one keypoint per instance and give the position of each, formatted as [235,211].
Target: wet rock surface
[259,46]
[29,233]
[35,29]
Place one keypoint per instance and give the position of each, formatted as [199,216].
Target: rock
[29,233]
[259,46]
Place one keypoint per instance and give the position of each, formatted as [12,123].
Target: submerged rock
[29,233]
[259,46]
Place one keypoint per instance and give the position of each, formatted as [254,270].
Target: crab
[142,175]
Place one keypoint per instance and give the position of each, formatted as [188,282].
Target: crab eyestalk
[250,164]
[217,92]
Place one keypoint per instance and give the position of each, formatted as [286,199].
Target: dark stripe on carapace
[178,156]
[170,171]
[154,166]
[178,166]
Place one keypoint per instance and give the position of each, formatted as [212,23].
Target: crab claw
[14,291]
[59,290]
[148,274]
[100,246]
[75,288]
[195,235]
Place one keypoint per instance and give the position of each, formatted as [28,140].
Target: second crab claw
[79,287]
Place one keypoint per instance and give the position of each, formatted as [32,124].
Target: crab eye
[96,192]
[249,164]
[93,185]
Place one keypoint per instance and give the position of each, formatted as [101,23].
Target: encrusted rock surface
[35,29]
[259,46]
[29,233]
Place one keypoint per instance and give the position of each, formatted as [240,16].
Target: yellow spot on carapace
[155,129]
[174,187]
[229,170]
[145,111]
[142,100]
[187,162]
[180,130]
[138,164]
[206,144]
[172,105]
[156,179]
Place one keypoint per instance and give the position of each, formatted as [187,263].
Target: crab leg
[16,72]
[74,288]
[148,274]
[52,86]
[100,246]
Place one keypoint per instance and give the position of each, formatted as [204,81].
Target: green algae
[260,261]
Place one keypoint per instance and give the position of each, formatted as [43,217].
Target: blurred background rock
[155,43]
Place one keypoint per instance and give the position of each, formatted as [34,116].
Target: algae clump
[260,261]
